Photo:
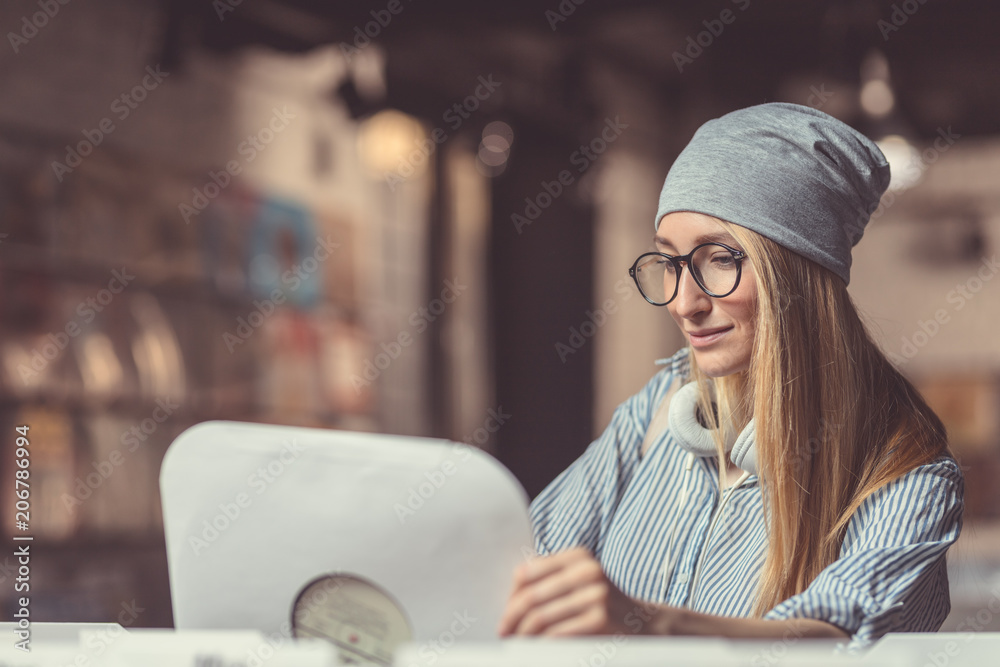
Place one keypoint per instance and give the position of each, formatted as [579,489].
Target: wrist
[669,621]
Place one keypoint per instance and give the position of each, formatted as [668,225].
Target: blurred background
[417,218]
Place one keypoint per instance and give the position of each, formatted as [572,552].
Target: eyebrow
[704,238]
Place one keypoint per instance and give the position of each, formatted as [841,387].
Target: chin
[720,363]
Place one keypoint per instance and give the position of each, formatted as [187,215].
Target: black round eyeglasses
[715,266]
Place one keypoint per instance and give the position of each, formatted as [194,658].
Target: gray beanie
[796,175]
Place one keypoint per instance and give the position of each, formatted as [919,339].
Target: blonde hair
[834,420]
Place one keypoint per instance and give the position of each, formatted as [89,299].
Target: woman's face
[720,331]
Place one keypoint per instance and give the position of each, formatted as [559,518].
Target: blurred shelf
[185,415]
[156,276]
[123,406]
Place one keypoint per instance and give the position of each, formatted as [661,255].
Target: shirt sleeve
[891,574]
[575,508]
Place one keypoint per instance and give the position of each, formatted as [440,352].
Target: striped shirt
[890,577]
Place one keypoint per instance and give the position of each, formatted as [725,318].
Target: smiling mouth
[707,337]
[708,332]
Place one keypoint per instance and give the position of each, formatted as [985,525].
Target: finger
[574,574]
[591,622]
[509,620]
[518,580]
[579,602]
[525,575]
[539,568]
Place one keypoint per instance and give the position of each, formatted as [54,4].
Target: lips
[706,337]
[709,332]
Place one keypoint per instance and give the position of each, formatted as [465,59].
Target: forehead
[686,229]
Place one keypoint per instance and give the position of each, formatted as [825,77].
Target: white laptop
[365,540]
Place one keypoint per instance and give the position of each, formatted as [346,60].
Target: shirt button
[682,578]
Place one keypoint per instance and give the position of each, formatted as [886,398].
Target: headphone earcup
[692,436]
[684,424]
[744,453]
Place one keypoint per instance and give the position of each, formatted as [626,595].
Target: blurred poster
[289,384]
[340,270]
[227,224]
[286,254]
[345,348]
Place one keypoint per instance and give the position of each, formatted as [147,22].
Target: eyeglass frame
[738,257]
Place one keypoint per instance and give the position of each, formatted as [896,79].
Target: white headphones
[694,437]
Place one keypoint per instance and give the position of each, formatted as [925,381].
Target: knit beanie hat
[795,175]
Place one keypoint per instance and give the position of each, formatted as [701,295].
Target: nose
[690,301]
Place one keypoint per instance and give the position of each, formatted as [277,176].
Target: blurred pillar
[542,286]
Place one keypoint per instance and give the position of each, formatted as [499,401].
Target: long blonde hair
[834,420]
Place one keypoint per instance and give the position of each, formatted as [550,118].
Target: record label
[363,621]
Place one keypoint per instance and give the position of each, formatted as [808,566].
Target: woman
[837,498]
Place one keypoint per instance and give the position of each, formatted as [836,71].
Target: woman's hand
[566,593]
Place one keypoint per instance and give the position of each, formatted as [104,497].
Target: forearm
[673,621]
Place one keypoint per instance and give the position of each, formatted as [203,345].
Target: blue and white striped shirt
[890,576]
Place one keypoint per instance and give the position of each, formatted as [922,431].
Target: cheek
[744,307]
[742,312]
[678,320]
[748,316]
